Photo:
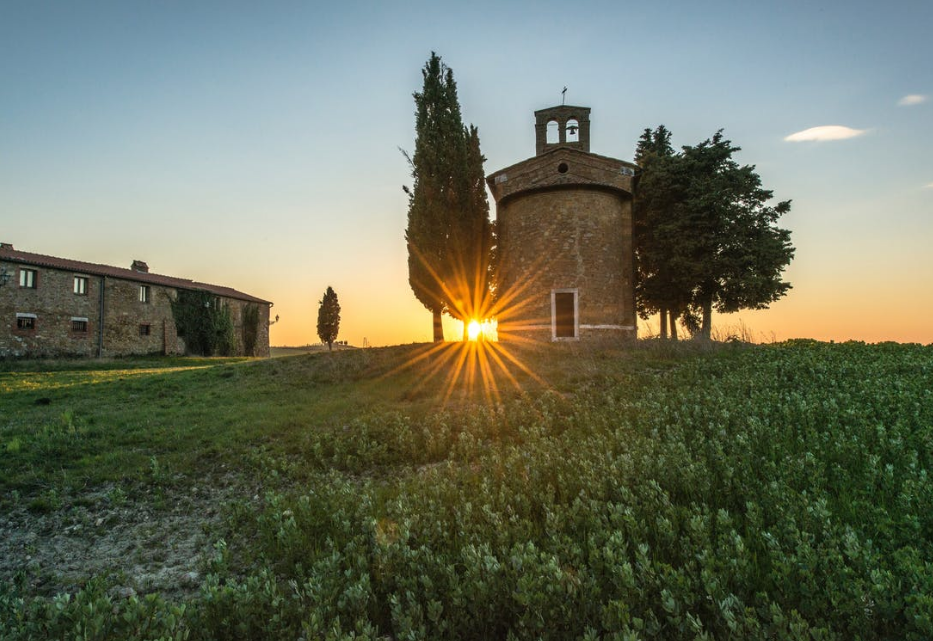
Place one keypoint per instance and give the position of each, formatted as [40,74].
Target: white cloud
[928,186]
[826,132]
[912,99]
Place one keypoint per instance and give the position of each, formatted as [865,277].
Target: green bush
[782,494]
[90,614]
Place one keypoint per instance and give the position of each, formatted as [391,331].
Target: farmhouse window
[80,285]
[26,322]
[144,293]
[79,325]
[27,278]
[145,329]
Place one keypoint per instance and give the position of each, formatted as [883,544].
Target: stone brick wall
[54,304]
[562,167]
[561,115]
[575,238]
[120,332]
[237,309]
[126,314]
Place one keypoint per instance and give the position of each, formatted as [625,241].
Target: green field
[571,492]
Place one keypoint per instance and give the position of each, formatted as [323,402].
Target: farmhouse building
[59,307]
[564,224]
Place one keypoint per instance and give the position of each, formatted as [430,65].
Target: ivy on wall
[250,328]
[204,323]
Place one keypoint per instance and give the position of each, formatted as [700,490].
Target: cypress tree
[472,240]
[448,233]
[328,318]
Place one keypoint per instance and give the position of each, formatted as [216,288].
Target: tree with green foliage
[473,241]
[662,286]
[449,235]
[328,318]
[706,236]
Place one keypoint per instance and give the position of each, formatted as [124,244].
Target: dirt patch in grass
[147,540]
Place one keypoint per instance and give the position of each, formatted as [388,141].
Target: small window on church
[573,131]
[553,132]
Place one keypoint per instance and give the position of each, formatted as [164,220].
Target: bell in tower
[563,126]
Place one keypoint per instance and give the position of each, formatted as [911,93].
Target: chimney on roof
[6,245]
[140,266]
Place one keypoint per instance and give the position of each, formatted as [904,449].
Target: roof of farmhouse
[140,273]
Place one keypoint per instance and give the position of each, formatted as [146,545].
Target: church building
[566,261]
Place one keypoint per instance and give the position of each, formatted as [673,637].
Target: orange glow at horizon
[812,309]
[799,316]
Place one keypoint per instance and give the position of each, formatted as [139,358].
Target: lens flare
[474,330]
[479,363]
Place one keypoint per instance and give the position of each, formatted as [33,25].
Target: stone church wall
[567,239]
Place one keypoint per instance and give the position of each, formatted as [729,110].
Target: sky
[257,145]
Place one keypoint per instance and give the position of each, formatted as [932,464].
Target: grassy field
[574,492]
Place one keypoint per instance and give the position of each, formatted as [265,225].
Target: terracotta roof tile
[9,254]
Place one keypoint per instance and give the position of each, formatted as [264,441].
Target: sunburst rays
[481,365]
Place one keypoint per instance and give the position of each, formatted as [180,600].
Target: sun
[474,330]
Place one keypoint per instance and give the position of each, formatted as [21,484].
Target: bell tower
[562,126]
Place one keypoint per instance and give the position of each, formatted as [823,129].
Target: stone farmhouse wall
[125,318]
[107,316]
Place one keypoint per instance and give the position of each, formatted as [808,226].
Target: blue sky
[258,146]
